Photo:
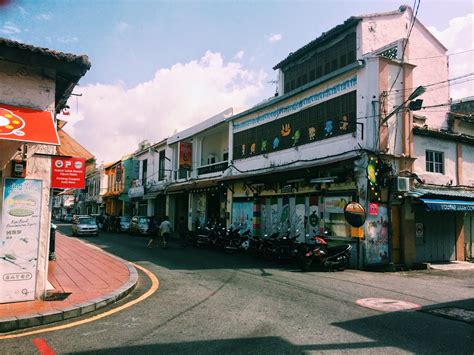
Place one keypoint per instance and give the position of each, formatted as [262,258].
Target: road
[213,303]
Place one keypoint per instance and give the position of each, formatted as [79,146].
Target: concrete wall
[468,165]
[376,32]
[448,148]
[27,87]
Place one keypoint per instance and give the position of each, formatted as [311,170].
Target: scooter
[321,255]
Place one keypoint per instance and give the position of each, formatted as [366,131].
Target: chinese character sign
[185,155]
[19,239]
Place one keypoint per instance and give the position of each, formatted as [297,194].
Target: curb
[36,319]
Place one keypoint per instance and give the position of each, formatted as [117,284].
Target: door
[435,238]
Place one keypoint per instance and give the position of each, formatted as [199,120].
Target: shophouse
[152,176]
[115,187]
[341,130]
[199,156]
[63,203]
[35,84]
[96,187]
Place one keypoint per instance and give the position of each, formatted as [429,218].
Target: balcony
[213,168]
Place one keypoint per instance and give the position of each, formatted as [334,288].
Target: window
[435,161]
[161,166]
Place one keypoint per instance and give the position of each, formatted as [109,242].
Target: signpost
[68,173]
[19,240]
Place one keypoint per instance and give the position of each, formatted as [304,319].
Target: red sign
[373,209]
[185,155]
[68,173]
[27,125]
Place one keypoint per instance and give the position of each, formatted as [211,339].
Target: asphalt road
[213,303]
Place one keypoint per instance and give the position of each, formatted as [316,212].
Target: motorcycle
[321,255]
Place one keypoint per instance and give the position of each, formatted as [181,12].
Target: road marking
[155,284]
[387,305]
[43,347]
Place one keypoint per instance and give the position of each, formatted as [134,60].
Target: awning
[27,125]
[448,205]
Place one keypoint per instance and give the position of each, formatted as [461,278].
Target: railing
[213,168]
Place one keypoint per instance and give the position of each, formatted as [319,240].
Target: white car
[84,225]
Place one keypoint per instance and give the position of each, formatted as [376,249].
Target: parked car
[84,225]
[124,223]
[67,218]
[139,225]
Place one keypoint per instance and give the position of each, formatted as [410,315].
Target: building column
[459,236]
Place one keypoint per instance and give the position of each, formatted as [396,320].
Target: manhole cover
[456,313]
[387,305]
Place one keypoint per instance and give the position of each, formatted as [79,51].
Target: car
[124,223]
[67,218]
[84,225]
[139,225]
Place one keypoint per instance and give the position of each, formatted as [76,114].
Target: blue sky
[132,43]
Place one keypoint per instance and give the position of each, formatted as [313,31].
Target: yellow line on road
[155,284]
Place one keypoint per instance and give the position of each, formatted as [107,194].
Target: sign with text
[68,173]
[19,239]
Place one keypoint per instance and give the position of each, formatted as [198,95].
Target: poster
[376,233]
[185,155]
[242,215]
[335,204]
[19,239]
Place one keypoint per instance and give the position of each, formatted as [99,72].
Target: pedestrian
[165,231]
[183,231]
[153,232]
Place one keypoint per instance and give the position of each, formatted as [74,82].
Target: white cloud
[239,55]
[459,37]
[68,39]
[274,37]
[9,29]
[122,27]
[44,17]
[111,119]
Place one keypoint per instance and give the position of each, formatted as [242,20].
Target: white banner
[19,239]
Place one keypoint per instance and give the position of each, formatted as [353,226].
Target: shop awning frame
[448,205]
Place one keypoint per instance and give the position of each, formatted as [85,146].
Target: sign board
[355,214]
[335,204]
[373,209]
[419,229]
[68,173]
[19,239]
[185,155]
[27,125]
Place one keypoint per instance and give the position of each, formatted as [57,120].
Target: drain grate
[455,313]
[56,296]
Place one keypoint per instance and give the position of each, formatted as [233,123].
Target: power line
[444,55]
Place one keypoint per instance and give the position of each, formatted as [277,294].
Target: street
[213,303]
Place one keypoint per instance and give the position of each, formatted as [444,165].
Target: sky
[159,67]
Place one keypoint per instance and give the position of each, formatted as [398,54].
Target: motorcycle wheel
[344,264]
[304,263]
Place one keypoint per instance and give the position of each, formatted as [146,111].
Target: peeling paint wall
[468,165]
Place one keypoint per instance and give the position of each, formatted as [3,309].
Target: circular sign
[59,163]
[78,164]
[355,214]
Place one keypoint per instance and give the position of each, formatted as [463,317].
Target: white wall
[379,31]
[215,144]
[468,165]
[448,148]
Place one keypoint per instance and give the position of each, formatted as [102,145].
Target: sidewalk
[84,279]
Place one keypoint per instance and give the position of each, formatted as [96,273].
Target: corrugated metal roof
[457,192]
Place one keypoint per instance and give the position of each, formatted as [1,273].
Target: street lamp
[414,105]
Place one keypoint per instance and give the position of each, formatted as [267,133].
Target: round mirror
[355,214]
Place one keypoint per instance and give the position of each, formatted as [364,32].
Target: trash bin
[52,241]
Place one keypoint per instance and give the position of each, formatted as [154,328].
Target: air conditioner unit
[402,184]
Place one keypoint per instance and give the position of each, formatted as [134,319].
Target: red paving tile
[84,271]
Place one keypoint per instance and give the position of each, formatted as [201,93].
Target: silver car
[84,225]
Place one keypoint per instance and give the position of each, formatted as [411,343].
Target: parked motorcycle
[319,254]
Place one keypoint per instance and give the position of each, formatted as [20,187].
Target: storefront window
[334,221]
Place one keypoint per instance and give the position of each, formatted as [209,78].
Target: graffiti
[377,237]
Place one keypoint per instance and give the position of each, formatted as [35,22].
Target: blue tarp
[448,205]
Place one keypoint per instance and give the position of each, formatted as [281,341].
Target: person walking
[153,231]
[165,230]
[183,231]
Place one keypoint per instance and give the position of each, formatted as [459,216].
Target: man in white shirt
[165,231]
